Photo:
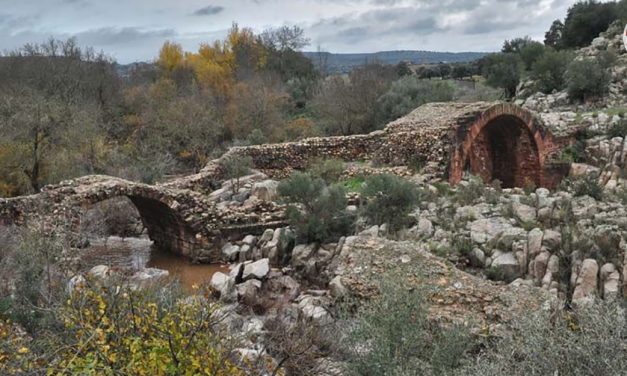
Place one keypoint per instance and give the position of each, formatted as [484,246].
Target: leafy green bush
[389,199]
[410,92]
[317,211]
[504,71]
[549,70]
[393,336]
[531,52]
[585,186]
[590,341]
[330,170]
[586,79]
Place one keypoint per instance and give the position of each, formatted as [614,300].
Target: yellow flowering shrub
[113,331]
[15,356]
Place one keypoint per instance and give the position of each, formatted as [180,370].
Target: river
[133,254]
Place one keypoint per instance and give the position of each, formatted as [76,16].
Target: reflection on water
[133,254]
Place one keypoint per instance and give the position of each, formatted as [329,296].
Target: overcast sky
[133,30]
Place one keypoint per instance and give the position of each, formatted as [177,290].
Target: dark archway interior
[505,150]
[119,216]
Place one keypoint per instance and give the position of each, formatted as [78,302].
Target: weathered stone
[540,264]
[100,272]
[265,190]
[372,231]
[552,239]
[586,285]
[147,277]
[477,257]
[424,227]
[258,269]
[505,265]
[489,229]
[230,252]
[611,286]
[336,288]
[266,236]
[301,253]
[247,292]
[250,240]
[534,241]
[524,213]
[313,309]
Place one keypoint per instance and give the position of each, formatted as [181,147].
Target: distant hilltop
[343,63]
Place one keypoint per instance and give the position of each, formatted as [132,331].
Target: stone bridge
[182,221]
[492,140]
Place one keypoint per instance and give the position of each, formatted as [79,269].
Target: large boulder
[524,213]
[230,252]
[301,253]
[257,270]
[505,266]
[225,285]
[534,241]
[265,190]
[586,285]
[488,229]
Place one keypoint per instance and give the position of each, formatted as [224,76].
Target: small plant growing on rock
[389,199]
[235,166]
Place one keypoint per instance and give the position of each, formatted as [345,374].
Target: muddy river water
[133,254]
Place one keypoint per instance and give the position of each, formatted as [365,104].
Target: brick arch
[504,142]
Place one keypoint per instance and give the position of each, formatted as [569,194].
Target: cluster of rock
[104,274]
[556,241]
[608,41]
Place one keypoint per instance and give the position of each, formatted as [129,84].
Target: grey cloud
[110,36]
[209,10]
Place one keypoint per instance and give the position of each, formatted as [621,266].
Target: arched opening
[130,216]
[505,149]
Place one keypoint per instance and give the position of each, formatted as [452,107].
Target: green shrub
[504,71]
[590,341]
[392,335]
[329,170]
[585,186]
[549,70]
[317,211]
[389,199]
[468,193]
[409,92]
[586,79]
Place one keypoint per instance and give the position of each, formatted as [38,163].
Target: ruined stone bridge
[492,140]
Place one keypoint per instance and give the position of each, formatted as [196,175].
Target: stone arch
[504,142]
[166,226]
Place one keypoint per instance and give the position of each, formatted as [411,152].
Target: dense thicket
[67,111]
